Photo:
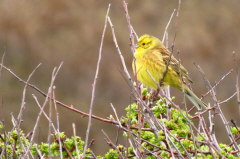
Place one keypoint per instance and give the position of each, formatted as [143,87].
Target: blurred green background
[48,32]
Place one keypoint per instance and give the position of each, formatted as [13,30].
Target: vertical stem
[94,83]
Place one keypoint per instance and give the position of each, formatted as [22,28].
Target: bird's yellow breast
[149,68]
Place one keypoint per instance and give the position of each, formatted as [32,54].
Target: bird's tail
[194,99]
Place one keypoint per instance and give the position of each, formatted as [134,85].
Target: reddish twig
[70,107]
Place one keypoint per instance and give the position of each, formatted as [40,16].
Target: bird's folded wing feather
[174,63]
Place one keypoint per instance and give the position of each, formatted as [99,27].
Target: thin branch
[236,63]
[166,28]
[218,82]
[115,113]
[118,49]
[3,56]
[224,120]
[54,74]
[132,32]
[165,36]
[84,114]
[58,122]
[75,141]
[226,100]
[44,113]
[19,118]
[94,83]
[111,144]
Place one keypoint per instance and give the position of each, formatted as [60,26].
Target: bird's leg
[161,83]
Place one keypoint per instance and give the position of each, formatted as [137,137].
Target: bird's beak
[135,46]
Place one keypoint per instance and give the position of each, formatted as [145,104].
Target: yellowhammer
[150,66]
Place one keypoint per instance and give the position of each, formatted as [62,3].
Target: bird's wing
[174,63]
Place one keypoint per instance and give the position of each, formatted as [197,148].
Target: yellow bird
[154,67]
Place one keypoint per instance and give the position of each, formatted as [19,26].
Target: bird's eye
[143,44]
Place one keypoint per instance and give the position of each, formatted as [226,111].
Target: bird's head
[146,42]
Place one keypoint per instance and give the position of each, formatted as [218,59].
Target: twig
[130,28]
[191,124]
[203,112]
[75,141]
[3,56]
[146,149]
[50,116]
[22,107]
[132,33]
[218,82]
[118,49]
[19,118]
[44,113]
[65,148]
[84,114]
[111,144]
[179,6]
[57,102]
[94,83]
[54,74]
[166,28]
[237,79]
[226,100]
[58,123]
[224,120]
[212,147]
[115,113]
[165,36]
